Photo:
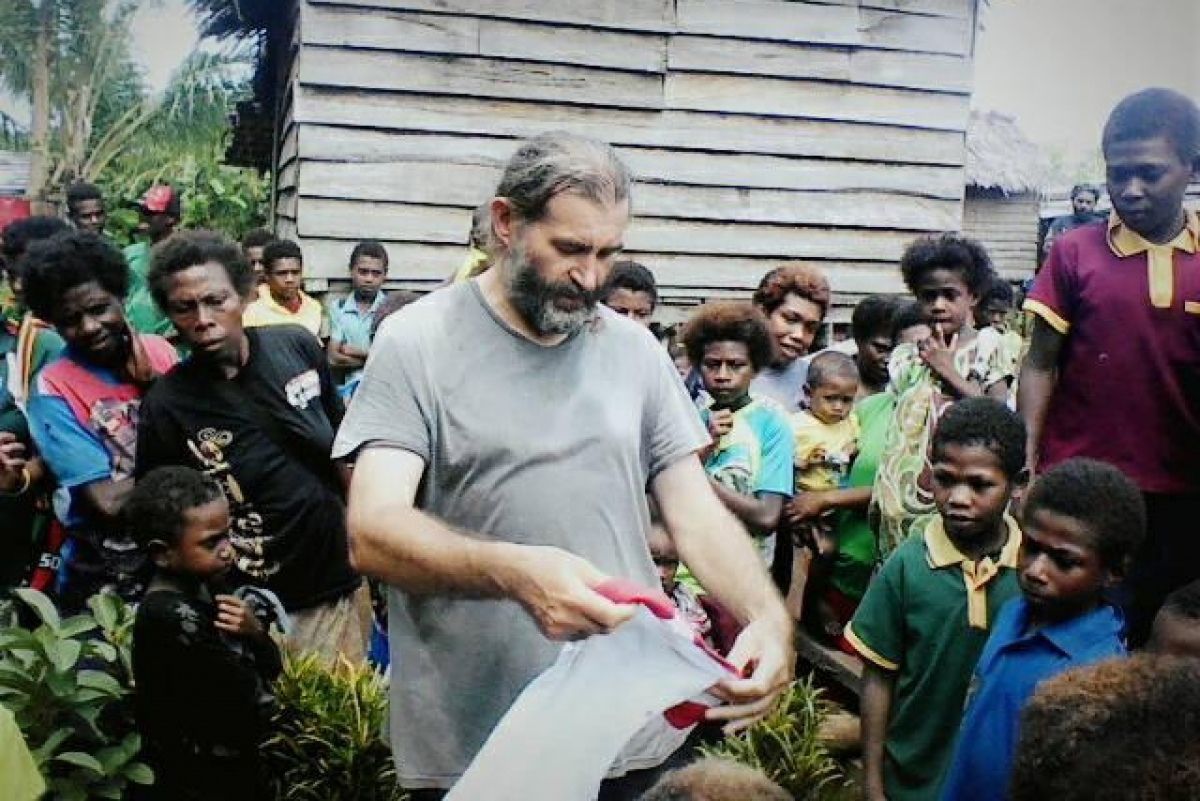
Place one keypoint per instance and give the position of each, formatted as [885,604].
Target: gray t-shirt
[785,387]
[522,443]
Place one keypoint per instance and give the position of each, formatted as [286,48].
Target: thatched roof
[1000,157]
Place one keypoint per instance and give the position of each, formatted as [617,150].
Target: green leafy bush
[786,747]
[67,683]
[327,742]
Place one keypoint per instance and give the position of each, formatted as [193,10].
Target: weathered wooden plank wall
[1007,226]
[759,130]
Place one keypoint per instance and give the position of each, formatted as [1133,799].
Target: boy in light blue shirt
[1083,521]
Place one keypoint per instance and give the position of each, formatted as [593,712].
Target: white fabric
[565,730]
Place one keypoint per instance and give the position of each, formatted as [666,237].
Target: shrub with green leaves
[67,683]
[785,746]
[327,742]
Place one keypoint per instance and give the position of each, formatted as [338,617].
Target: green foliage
[67,683]
[786,747]
[327,743]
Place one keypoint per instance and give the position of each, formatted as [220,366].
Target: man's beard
[534,298]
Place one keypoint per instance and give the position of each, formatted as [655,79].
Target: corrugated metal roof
[14,173]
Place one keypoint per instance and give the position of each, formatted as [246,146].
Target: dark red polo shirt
[1128,389]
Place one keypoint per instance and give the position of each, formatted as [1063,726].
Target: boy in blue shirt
[1083,521]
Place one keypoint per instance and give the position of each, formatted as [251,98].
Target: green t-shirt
[140,308]
[856,541]
[916,620]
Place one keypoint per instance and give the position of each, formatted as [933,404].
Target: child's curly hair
[1123,729]
[948,251]
[728,321]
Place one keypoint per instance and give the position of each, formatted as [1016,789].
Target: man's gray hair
[558,162]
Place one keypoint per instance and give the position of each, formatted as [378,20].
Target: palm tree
[71,59]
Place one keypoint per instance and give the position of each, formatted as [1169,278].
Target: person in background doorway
[352,318]
[1083,212]
[1176,630]
[85,207]
[632,291]
[253,243]
[281,299]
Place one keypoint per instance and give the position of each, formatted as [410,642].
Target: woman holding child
[947,275]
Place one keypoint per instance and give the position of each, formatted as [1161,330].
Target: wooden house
[1005,173]
[760,131]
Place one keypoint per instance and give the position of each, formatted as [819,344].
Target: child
[281,298]
[826,441]
[925,618]
[946,275]
[202,662]
[1176,630]
[995,310]
[827,432]
[749,462]
[1082,522]
[714,779]
[662,550]
[1120,730]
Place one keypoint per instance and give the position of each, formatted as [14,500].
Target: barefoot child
[202,662]
[1082,523]
[925,618]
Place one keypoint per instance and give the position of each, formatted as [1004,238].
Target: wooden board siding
[758,131]
[1007,226]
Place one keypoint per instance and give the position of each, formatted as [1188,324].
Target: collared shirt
[349,325]
[919,619]
[265,310]
[1014,662]
[1130,365]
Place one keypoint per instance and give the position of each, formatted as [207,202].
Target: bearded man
[506,431]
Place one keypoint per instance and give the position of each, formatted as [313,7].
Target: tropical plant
[327,742]
[67,683]
[786,747]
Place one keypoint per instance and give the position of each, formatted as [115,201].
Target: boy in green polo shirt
[925,618]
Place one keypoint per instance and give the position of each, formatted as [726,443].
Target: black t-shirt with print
[265,436]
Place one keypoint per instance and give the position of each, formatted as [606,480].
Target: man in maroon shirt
[1113,370]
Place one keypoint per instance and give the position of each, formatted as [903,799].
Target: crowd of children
[969,554]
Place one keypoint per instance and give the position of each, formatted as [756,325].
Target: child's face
[1146,183]
[1061,573]
[947,301]
[667,567]
[832,400]
[971,491]
[726,371]
[203,550]
[1174,635]
[996,315]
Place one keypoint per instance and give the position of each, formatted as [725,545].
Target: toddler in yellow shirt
[826,435]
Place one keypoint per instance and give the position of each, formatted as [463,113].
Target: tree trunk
[39,127]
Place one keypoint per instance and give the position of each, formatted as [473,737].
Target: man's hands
[765,648]
[234,618]
[555,587]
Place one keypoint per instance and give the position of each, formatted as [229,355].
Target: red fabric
[81,388]
[1130,372]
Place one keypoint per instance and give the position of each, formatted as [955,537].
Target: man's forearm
[429,558]
[1034,391]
